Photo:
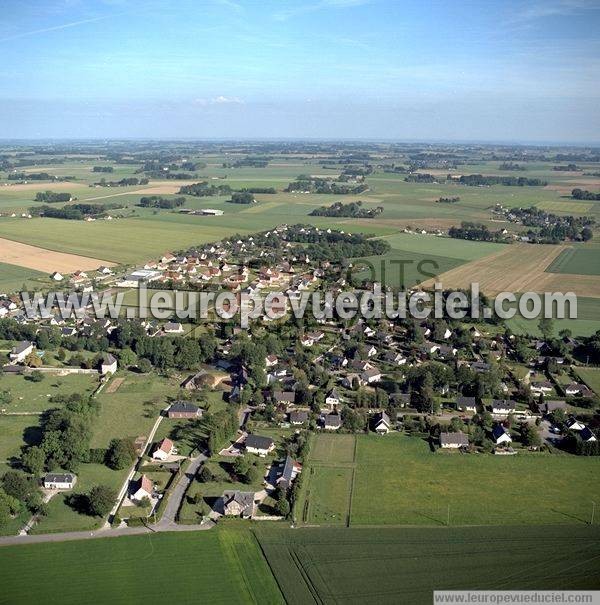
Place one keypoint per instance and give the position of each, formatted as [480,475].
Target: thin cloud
[557,8]
[293,11]
[57,27]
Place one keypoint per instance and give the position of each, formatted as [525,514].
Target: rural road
[167,522]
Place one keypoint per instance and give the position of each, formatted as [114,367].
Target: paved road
[177,494]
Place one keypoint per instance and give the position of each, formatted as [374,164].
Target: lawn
[15,432]
[29,396]
[62,517]
[405,565]
[400,481]
[219,566]
[132,409]
[591,377]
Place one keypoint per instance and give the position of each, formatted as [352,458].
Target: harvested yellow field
[519,268]
[48,261]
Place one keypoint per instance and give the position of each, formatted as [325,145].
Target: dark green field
[218,566]
[391,565]
[405,565]
[579,261]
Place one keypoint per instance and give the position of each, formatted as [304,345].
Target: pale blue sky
[443,70]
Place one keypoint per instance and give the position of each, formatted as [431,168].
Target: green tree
[33,460]
[100,500]
[120,454]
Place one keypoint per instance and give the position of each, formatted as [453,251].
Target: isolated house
[108,365]
[284,397]
[163,450]
[257,444]
[575,425]
[333,397]
[453,440]
[543,387]
[59,480]
[19,352]
[184,409]
[141,488]
[56,276]
[173,328]
[466,404]
[587,435]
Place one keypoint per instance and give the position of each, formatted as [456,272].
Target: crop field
[405,565]
[219,566]
[577,260]
[586,324]
[40,259]
[566,207]
[515,268]
[399,481]
[12,277]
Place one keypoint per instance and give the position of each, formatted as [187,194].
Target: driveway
[168,519]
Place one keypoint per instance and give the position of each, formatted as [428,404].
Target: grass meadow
[398,480]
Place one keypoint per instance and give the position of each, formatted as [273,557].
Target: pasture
[327,448]
[219,566]
[405,565]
